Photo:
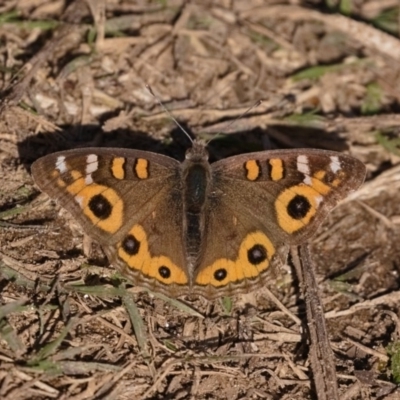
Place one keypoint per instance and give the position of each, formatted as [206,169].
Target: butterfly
[193,227]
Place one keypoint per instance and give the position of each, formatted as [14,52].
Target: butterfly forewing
[289,192]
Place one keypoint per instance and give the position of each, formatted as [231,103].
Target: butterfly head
[198,152]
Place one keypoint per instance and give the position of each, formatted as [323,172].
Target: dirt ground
[74,74]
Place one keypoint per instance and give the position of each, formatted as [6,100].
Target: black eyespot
[298,207]
[100,206]
[164,271]
[131,245]
[220,274]
[257,254]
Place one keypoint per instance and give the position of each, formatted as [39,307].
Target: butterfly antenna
[167,111]
[256,104]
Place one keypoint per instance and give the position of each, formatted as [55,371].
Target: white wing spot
[89,179]
[92,163]
[307,180]
[61,165]
[79,200]
[335,164]
[318,200]
[302,165]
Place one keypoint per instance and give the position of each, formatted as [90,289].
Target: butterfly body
[195,227]
[196,183]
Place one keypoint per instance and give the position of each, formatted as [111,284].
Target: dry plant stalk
[322,361]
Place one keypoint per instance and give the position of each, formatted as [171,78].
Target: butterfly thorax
[196,179]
